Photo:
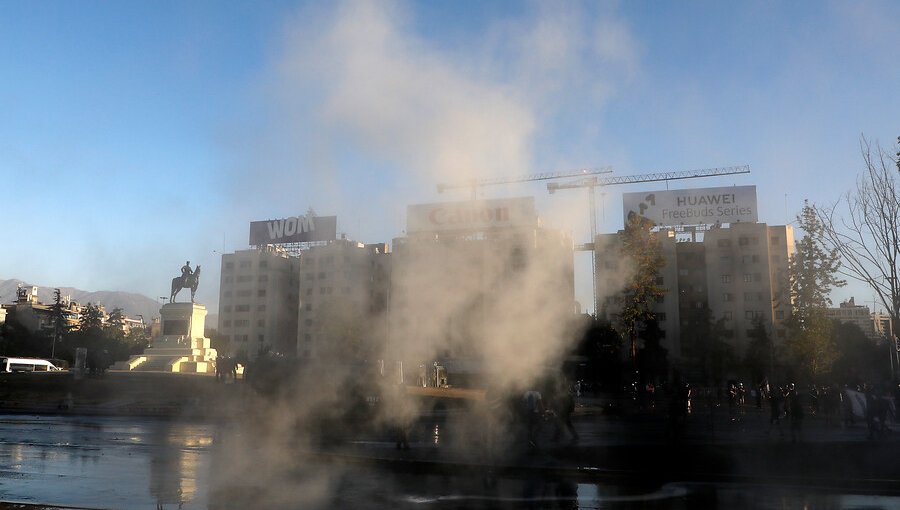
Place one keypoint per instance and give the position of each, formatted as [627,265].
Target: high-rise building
[875,325]
[343,290]
[478,280]
[736,274]
[258,300]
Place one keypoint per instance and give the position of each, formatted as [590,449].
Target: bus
[8,365]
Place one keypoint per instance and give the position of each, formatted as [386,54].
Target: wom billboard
[296,229]
[703,206]
[474,215]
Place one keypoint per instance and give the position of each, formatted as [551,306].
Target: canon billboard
[702,206]
[474,215]
[296,229]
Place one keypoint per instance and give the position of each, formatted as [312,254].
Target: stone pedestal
[180,346]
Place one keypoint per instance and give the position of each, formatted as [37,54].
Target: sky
[137,135]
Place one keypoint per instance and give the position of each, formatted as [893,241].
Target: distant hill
[132,304]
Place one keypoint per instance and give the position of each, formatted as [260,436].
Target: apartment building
[875,325]
[343,298]
[472,280]
[258,296]
[737,274]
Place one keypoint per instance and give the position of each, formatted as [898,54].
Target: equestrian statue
[188,280]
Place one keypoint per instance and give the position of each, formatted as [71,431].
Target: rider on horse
[186,270]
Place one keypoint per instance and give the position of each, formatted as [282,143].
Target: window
[226,309]
[345,290]
[260,308]
[260,338]
[241,323]
[682,272]
[261,293]
[263,278]
[727,296]
[748,278]
[661,317]
[227,293]
[757,277]
[749,296]
[660,299]
[244,278]
[725,278]
[229,266]
[659,280]
[725,259]
[310,276]
[244,293]
[308,322]
[779,314]
[242,308]
[227,324]
[748,314]
[228,279]
[726,316]
[308,307]
[261,323]
[263,264]
[743,241]
[309,291]
[773,239]
[722,243]
[307,338]
[245,263]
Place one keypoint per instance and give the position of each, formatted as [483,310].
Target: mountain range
[132,304]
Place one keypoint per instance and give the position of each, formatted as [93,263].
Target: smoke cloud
[366,116]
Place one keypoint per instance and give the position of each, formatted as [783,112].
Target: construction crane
[594,182]
[473,184]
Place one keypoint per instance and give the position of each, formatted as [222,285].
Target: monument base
[180,347]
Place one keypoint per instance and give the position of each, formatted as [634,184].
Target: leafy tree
[652,359]
[860,359]
[60,321]
[640,249]
[759,357]
[812,271]
[602,346]
[91,318]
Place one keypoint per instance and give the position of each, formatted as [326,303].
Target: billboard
[296,229]
[473,215]
[700,206]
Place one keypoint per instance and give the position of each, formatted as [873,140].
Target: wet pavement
[102,462]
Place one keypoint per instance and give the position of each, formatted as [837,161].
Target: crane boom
[473,183]
[661,176]
[593,182]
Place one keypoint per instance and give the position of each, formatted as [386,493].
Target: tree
[860,359]
[812,271]
[640,250]
[759,357]
[867,236]
[60,321]
[91,318]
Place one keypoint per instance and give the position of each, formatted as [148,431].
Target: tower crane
[594,182]
[473,184]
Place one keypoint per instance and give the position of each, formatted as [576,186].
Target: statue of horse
[185,282]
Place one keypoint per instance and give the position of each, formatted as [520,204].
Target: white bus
[26,365]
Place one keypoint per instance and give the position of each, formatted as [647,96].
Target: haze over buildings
[153,132]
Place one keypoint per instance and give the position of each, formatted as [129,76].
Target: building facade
[735,276]
[258,296]
[343,297]
[481,281]
[873,324]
